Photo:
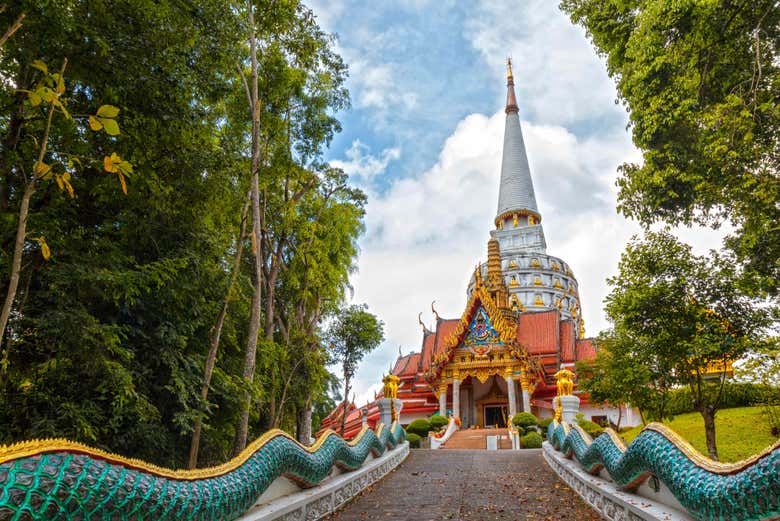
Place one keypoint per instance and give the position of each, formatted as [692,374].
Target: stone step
[477,439]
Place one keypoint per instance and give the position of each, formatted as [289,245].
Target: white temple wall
[630,415]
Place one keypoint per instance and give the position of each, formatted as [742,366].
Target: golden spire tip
[509,67]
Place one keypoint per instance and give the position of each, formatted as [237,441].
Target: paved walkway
[470,485]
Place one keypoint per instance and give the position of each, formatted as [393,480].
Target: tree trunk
[304,422]
[346,403]
[270,313]
[211,357]
[250,355]
[620,415]
[709,431]
[21,233]
[16,265]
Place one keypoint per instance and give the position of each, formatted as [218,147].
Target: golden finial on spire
[509,75]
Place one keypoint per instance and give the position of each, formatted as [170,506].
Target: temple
[521,324]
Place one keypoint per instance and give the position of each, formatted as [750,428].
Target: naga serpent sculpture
[743,491]
[63,480]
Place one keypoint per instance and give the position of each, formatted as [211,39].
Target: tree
[625,374]
[291,103]
[354,333]
[700,82]
[103,337]
[47,96]
[687,314]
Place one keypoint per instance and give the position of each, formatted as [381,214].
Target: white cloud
[560,78]
[363,167]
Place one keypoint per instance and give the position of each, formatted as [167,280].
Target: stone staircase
[477,439]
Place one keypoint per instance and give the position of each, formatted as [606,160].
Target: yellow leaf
[61,85]
[25,386]
[111,126]
[108,165]
[59,182]
[45,251]
[126,167]
[41,169]
[69,187]
[122,180]
[35,100]
[38,64]
[95,124]
[107,111]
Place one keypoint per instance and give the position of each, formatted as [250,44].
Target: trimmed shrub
[543,424]
[524,421]
[532,440]
[413,439]
[420,427]
[592,428]
[437,422]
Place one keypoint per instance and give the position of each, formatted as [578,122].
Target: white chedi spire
[516,192]
[518,221]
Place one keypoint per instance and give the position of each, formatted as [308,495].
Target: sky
[423,139]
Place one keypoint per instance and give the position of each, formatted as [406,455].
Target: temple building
[522,322]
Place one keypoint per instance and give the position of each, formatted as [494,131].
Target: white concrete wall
[630,415]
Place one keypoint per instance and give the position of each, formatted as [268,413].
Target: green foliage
[741,432]
[420,426]
[108,338]
[413,439]
[734,394]
[524,421]
[700,82]
[592,428]
[532,440]
[543,424]
[437,422]
[675,314]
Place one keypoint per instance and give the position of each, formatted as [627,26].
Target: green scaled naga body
[62,480]
[745,491]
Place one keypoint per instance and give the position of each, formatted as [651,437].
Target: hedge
[420,427]
[437,422]
[413,439]
[592,428]
[532,440]
[735,394]
[524,420]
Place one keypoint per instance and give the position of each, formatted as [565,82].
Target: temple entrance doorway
[496,416]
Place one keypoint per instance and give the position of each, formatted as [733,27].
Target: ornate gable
[481,337]
[480,311]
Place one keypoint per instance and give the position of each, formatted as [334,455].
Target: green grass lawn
[739,432]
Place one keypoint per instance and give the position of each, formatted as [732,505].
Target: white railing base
[327,497]
[605,497]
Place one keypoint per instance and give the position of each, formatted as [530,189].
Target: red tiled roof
[538,332]
[567,341]
[444,328]
[426,353]
[407,366]
[586,349]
